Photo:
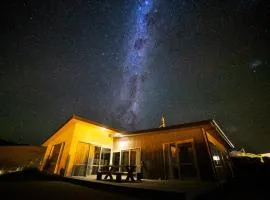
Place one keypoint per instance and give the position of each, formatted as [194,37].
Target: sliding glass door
[180,160]
[94,160]
[131,157]
[124,160]
[116,160]
[186,160]
[81,159]
[89,159]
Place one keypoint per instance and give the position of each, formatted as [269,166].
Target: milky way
[139,43]
[125,62]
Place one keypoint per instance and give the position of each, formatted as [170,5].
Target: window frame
[137,149]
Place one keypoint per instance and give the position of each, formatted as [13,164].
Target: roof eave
[76,117]
[222,134]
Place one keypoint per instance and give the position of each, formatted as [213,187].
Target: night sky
[124,63]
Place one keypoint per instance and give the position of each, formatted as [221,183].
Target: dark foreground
[32,184]
[53,190]
[251,182]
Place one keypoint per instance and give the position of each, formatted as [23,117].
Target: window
[96,155]
[132,160]
[127,157]
[89,159]
[101,158]
[105,156]
[116,158]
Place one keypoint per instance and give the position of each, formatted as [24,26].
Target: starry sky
[124,63]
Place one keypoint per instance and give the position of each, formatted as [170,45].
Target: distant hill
[8,143]
[14,156]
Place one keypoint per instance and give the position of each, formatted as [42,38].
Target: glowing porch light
[103,129]
[118,135]
[216,158]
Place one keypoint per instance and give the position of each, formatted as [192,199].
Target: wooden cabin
[191,151]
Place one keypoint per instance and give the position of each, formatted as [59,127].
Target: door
[130,157]
[81,159]
[186,161]
[96,160]
[98,157]
[89,159]
[179,160]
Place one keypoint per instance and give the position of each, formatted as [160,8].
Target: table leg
[130,176]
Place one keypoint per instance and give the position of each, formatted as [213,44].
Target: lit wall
[88,133]
[64,134]
[73,132]
[215,142]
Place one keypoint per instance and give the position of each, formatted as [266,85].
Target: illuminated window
[89,159]
[127,157]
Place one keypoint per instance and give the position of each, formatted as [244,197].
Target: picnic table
[130,172]
[110,170]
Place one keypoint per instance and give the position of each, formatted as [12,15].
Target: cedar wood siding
[151,144]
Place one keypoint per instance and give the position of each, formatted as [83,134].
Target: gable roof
[145,131]
[95,123]
[185,125]
[210,122]
[80,119]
